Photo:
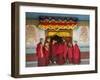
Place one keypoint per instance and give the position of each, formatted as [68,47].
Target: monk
[70,52]
[39,53]
[76,53]
[60,51]
[53,51]
[48,40]
[65,49]
[46,53]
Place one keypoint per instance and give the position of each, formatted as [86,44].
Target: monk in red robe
[39,53]
[70,52]
[76,53]
[60,52]
[46,53]
[53,51]
[65,49]
[48,40]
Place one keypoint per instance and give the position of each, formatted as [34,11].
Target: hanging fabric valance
[56,23]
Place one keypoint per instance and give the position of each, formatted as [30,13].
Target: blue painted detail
[34,15]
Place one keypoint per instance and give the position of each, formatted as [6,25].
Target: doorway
[65,34]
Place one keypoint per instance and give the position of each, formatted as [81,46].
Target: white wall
[83,40]
[5,40]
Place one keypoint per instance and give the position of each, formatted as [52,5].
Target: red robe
[50,51]
[53,52]
[70,54]
[46,55]
[76,54]
[60,52]
[40,55]
[65,51]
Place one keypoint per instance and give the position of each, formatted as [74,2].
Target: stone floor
[34,63]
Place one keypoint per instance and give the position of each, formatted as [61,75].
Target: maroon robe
[40,55]
[53,52]
[76,54]
[70,54]
[46,55]
[65,51]
[50,51]
[60,52]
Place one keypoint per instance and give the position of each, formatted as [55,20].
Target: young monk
[39,53]
[70,52]
[60,51]
[48,40]
[76,53]
[53,51]
[65,49]
[46,53]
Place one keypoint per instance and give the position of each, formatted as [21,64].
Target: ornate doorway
[66,34]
